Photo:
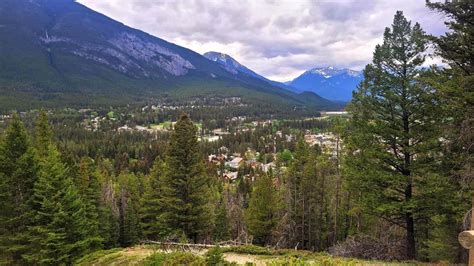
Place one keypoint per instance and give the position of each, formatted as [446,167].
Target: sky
[279,39]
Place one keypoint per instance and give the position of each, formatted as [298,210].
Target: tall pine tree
[89,190]
[151,205]
[43,134]
[394,137]
[260,216]
[60,230]
[185,189]
[18,173]
[455,89]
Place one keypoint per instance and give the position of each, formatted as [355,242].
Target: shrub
[99,255]
[175,258]
[250,249]
[368,247]
[215,256]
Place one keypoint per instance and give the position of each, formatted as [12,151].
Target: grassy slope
[254,255]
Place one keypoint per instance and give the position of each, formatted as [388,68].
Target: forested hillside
[58,53]
[390,180]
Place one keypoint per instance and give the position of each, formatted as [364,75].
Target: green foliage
[151,204]
[285,156]
[108,213]
[18,174]
[174,258]
[60,231]
[308,185]
[184,186]
[95,257]
[454,87]
[250,249]
[260,216]
[129,200]
[43,134]
[214,256]
[89,189]
[394,139]
[222,230]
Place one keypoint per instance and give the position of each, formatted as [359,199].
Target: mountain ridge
[61,51]
[233,66]
[332,83]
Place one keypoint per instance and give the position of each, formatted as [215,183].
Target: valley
[236,133]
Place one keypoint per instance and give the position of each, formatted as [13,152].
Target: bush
[368,247]
[250,249]
[175,258]
[215,256]
[97,256]
[289,260]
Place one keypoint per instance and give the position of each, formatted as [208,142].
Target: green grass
[151,256]
[167,124]
[99,256]
[174,258]
[161,126]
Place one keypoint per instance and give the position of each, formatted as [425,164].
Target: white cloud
[276,38]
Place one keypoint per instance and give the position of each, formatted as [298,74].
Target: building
[268,166]
[231,176]
[235,163]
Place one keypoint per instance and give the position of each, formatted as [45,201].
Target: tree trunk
[303,237]
[410,224]
[321,212]
[471,251]
[338,188]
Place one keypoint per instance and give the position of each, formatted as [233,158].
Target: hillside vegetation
[58,53]
[245,255]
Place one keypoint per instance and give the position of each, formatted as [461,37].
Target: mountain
[61,53]
[328,82]
[233,66]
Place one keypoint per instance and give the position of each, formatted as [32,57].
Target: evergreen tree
[455,86]
[394,137]
[18,173]
[108,209]
[260,215]
[43,134]
[455,90]
[185,192]
[151,205]
[308,186]
[222,230]
[60,232]
[128,209]
[89,189]
[131,221]
[295,196]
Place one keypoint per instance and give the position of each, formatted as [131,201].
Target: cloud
[279,39]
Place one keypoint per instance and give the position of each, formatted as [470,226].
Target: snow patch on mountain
[229,63]
[330,71]
[329,82]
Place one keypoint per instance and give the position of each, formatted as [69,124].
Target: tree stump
[466,239]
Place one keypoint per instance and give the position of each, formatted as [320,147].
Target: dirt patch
[242,259]
[137,251]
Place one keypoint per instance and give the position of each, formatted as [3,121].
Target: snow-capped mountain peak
[329,82]
[234,67]
[330,71]
[225,60]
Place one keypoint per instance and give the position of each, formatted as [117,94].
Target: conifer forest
[250,173]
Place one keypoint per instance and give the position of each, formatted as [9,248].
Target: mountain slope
[62,53]
[329,82]
[233,66]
